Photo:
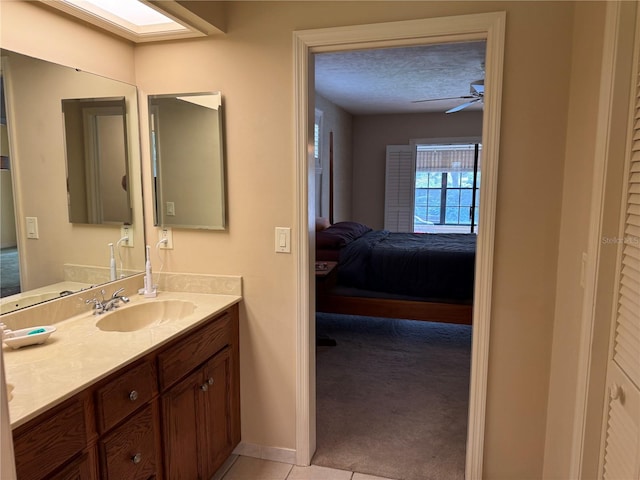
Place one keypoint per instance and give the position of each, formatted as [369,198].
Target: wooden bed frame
[391,308]
[328,302]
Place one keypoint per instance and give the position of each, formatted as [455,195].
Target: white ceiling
[389,80]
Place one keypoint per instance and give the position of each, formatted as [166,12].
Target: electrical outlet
[171,209]
[126,231]
[165,234]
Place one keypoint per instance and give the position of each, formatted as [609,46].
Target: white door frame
[486,26]
[621,21]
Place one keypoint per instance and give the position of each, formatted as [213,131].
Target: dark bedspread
[434,266]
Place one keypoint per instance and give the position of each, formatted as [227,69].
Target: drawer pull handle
[204,387]
[137,458]
[133,395]
[210,380]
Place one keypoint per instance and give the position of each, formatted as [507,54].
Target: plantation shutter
[400,180]
[621,456]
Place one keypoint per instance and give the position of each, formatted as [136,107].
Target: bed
[419,276]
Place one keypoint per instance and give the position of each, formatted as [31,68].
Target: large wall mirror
[46,173]
[187,151]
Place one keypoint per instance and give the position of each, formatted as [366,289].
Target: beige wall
[372,134]
[252,66]
[35,30]
[340,122]
[262,191]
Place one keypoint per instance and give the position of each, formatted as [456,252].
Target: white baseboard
[275,454]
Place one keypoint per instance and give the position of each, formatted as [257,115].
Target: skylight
[141,20]
[131,15]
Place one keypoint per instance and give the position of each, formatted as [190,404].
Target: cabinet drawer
[192,351]
[124,395]
[129,451]
[79,469]
[51,442]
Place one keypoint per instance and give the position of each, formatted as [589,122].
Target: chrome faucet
[115,299]
[101,306]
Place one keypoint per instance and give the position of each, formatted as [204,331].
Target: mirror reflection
[188,160]
[95,133]
[43,255]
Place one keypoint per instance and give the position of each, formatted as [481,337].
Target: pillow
[322,223]
[340,234]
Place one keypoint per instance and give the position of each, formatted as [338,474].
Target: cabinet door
[180,427]
[217,412]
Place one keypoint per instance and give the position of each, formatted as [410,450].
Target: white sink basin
[144,315]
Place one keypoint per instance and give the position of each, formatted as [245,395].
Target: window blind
[446,158]
[400,179]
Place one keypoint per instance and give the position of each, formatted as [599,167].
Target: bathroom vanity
[166,405]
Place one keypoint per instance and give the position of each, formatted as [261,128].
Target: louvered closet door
[400,181]
[621,456]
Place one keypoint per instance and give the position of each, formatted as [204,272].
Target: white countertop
[78,354]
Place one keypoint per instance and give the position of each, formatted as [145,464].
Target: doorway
[489,27]
[385,383]
[9,260]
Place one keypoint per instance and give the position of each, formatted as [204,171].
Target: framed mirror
[44,255]
[187,154]
[95,131]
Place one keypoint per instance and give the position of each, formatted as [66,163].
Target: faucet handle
[117,292]
[97,305]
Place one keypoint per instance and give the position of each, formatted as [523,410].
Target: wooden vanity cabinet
[197,420]
[52,442]
[201,412]
[173,414]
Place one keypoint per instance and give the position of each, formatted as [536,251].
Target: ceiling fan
[476,90]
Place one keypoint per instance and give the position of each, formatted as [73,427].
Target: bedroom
[354,133]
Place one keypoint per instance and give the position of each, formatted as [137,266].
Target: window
[432,188]
[446,187]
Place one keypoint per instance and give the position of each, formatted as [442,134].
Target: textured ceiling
[389,80]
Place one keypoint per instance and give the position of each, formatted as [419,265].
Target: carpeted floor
[9,272]
[392,397]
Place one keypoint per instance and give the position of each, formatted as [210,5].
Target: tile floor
[249,468]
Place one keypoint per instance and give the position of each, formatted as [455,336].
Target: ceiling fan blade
[477,87]
[440,99]
[463,106]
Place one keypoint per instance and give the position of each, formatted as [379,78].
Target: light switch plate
[283,240]
[32,227]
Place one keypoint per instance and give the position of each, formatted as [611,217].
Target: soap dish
[21,338]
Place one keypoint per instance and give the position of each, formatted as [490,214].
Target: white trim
[489,26]
[614,15]
[275,454]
